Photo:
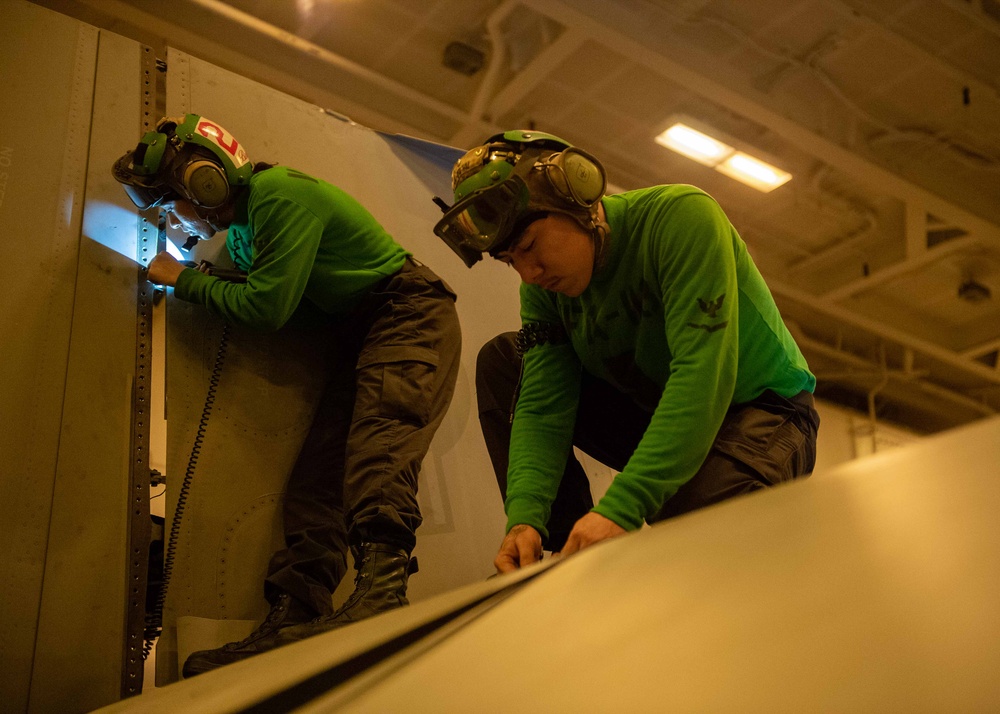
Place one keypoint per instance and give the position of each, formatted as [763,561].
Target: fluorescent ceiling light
[695,145]
[722,157]
[753,172]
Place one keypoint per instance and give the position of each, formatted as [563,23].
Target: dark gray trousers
[393,366]
[761,443]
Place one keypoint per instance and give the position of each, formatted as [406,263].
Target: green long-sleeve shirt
[297,238]
[680,319]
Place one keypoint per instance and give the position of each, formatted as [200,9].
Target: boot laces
[273,617]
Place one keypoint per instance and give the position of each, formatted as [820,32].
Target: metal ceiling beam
[187,40]
[322,54]
[928,349]
[983,349]
[908,265]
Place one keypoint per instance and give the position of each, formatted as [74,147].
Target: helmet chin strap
[600,233]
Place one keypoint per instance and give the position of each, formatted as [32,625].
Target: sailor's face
[182,216]
[554,253]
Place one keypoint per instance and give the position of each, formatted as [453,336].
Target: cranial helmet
[513,176]
[191,157]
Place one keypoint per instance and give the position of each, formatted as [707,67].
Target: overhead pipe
[856,364]
[487,87]
[872,418]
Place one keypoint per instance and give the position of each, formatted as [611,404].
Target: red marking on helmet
[220,136]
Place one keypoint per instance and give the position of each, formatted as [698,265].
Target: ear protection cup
[205,183]
[576,176]
[586,177]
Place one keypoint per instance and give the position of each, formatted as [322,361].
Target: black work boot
[380,584]
[285,613]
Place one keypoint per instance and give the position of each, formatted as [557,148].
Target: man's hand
[164,269]
[592,528]
[522,546]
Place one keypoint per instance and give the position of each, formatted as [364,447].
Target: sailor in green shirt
[308,249]
[649,340]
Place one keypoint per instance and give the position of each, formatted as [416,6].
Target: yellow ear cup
[585,177]
[206,184]
[576,177]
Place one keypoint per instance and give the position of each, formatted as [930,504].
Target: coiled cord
[154,620]
[531,334]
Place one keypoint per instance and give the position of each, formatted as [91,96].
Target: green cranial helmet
[190,157]
[511,176]
[494,161]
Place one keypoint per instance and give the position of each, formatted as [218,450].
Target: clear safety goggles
[482,221]
[486,219]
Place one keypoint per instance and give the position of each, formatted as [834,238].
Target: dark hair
[517,231]
[262,166]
